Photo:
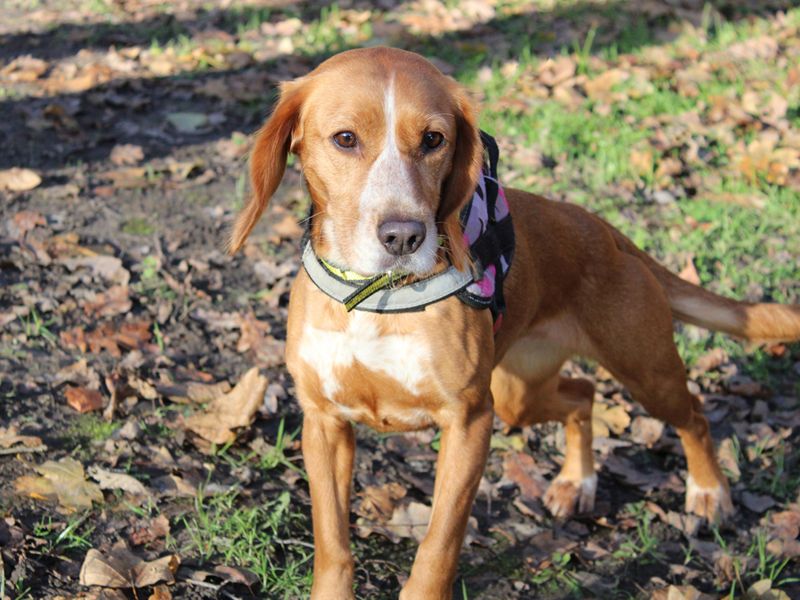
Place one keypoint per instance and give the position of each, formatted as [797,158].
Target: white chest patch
[404,358]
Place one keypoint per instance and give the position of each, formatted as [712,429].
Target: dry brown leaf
[160,592]
[26,220]
[410,520]
[606,419]
[127,177]
[19,180]
[78,373]
[150,531]
[120,568]
[763,590]
[600,87]
[115,301]
[126,154]
[237,575]
[378,502]
[711,360]
[689,272]
[746,199]
[680,592]
[521,468]
[646,430]
[231,411]
[63,481]
[642,161]
[83,399]
[10,437]
[109,480]
[107,267]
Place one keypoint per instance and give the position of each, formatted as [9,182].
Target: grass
[225,529]
[62,537]
[644,546]
[91,428]
[138,226]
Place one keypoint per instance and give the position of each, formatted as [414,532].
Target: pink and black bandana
[489,233]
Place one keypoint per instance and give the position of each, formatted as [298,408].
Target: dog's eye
[345,139]
[432,140]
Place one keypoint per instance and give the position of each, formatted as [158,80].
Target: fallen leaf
[711,360]
[233,410]
[521,468]
[149,531]
[410,520]
[19,180]
[646,430]
[160,592]
[606,419]
[63,481]
[378,501]
[120,568]
[9,437]
[115,301]
[758,503]
[26,220]
[188,122]
[689,272]
[126,154]
[763,590]
[109,480]
[236,575]
[107,267]
[78,373]
[83,399]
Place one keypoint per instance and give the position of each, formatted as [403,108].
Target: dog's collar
[377,293]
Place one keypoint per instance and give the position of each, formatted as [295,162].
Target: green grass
[61,537]
[643,545]
[138,226]
[92,428]
[224,528]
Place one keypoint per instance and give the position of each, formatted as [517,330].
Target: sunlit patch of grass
[223,528]
[62,537]
[138,226]
[91,427]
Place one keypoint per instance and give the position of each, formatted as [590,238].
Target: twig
[22,449]
[294,542]
[204,584]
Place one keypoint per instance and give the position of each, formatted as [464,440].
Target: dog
[383,329]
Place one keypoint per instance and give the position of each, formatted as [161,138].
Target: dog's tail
[760,322]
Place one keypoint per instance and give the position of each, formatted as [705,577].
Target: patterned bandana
[489,233]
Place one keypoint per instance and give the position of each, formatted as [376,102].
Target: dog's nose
[401,237]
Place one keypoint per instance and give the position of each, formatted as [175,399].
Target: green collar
[381,293]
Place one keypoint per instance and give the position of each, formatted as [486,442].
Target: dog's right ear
[274,141]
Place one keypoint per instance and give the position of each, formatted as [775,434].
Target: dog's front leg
[328,447]
[462,458]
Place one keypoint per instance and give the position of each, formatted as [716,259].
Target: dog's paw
[713,504]
[564,495]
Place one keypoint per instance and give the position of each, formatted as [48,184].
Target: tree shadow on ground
[133,110]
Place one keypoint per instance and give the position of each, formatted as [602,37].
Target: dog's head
[390,150]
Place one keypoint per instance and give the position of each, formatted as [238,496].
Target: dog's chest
[368,375]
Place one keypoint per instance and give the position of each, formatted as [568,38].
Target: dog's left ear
[460,183]
[279,135]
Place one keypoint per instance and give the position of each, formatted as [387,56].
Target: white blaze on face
[389,194]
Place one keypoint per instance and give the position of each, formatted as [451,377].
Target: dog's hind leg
[634,341]
[527,389]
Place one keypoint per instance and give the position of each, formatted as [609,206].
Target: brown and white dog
[386,140]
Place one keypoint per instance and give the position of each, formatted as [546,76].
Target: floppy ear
[460,183]
[268,159]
